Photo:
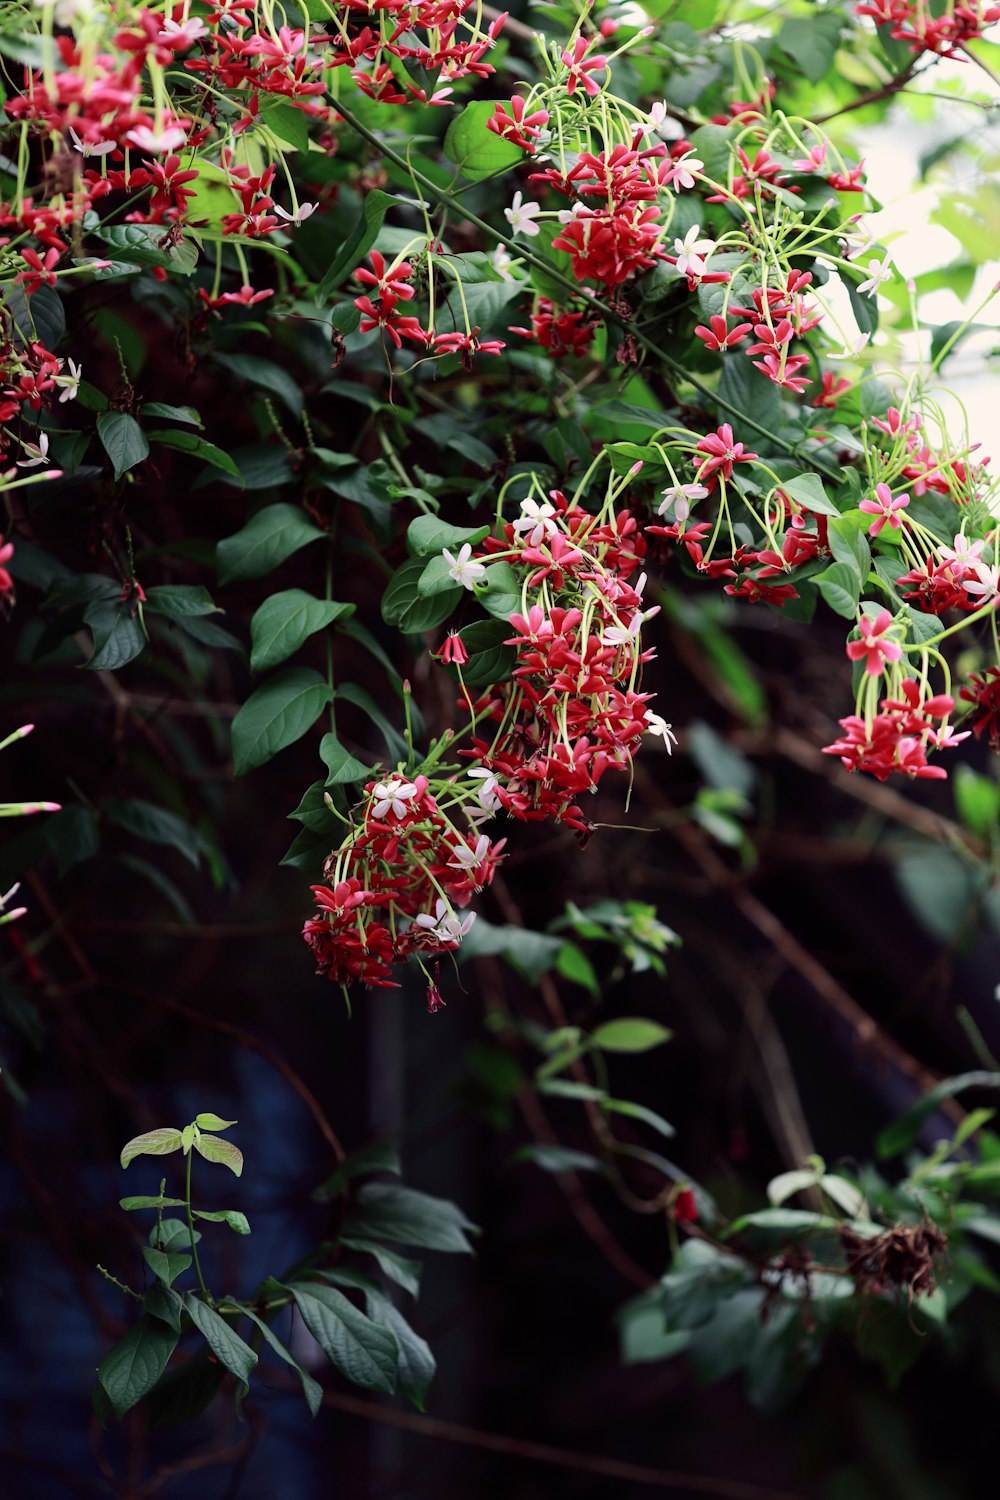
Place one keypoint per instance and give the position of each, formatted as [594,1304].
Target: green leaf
[632,1034]
[167,413]
[131,1369]
[415,1366]
[161,1142]
[791,1221]
[208,1121]
[143,245]
[130,1204]
[573,964]
[276,715]
[840,585]
[267,539]
[284,621]
[197,447]
[237,1222]
[557,1159]
[500,594]
[366,1354]
[73,836]
[122,439]
[362,237]
[166,1267]
[639,1112]
[404,1272]
[118,635]
[405,606]
[343,767]
[164,1303]
[227,1346]
[311,1389]
[904,1131]
[977,799]
[156,825]
[213,1148]
[812,42]
[849,544]
[267,376]
[427,535]
[808,490]
[385,1211]
[479,152]
[181,601]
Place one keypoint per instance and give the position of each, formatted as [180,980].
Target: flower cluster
[399,881]
[899,736]
[926,29]
[573,707]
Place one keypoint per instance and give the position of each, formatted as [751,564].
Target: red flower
[722,453]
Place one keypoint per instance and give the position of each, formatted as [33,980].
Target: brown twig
[246,1039]
[546,1453]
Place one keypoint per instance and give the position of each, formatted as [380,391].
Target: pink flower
[885,508]
[580,66]
[722,452]
[875,645]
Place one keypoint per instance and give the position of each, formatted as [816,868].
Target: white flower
[681,497]
[879,272]
[178,34]
[470,859]
[303,212]
[167,140]
[392,796]
[578,211]
[966,552]
[623,635]
[90,148]
[70,383]
[986,582]
[853,349]
[502,262]
[462,568]
[536,520]
[657,726]
[486,794]
[445,925]
[520,216]
[39,453]
[691,252]
[679,175]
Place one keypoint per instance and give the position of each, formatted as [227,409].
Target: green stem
[190,1224]
[442,195]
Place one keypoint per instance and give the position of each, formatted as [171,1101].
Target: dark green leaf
[197,447]
[405,606]
[384,1211]
[156,825]
[227,1346]
[904,1131]
[415,1362]
[311,1389]
[122,439]
[118,636]
[358,243]
[270,536]
[366,1354]
[131,1369]
[343,767]
[284,621]
[276,715]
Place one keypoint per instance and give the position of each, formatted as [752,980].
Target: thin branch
[247,1039]
[546,1453]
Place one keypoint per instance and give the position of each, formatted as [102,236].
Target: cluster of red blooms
[396,886]
[982,691]
[619,235]
[563,332]
[913,22]
[774,319]
[572,709]
[899,737]
[380,309]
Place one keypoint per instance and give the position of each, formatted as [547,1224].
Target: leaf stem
[190,1224]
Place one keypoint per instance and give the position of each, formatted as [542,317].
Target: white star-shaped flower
[521,216]
[462,568]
